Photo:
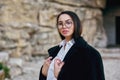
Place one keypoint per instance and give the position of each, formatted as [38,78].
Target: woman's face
[66,26]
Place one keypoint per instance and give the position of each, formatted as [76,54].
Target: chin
[66,35]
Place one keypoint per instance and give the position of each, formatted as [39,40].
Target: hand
[46,66]
[57,66]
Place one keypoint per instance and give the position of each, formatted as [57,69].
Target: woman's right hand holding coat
[46,66]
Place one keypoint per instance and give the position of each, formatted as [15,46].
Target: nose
[64,26]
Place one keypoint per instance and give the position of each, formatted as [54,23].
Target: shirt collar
[63,42]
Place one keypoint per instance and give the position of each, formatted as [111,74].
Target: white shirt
[61,55]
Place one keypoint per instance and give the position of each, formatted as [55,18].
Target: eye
[68,22]
[60,23]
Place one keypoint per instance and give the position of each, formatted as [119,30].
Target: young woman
[73,58]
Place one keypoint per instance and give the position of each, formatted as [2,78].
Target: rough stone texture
[4,57]
[90,3]
[29,26]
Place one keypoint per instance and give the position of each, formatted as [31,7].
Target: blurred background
[28,30]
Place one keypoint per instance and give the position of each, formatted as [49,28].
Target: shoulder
[93,51]
[94,54]
[89,50]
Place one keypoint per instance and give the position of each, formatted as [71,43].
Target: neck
[68,39]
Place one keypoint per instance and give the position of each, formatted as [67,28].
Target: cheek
[72,30]
[59,30]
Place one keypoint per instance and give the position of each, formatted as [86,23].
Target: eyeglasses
[68,23]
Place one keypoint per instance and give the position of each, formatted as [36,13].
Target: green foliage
[1,66]
[5,69]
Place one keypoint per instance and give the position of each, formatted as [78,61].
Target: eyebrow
[65,20]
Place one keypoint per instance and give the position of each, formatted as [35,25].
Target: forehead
[64,17]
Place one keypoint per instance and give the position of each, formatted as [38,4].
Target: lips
[65,31]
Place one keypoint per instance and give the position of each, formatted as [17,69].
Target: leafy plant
[5,69]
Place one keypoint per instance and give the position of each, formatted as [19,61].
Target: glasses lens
[60,24]
[68,24]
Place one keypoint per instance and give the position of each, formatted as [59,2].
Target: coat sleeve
[97,68]
[41,76]
[96,65]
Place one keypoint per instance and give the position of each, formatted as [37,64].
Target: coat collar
[80,42]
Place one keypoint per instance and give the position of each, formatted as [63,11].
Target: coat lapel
[53,51]
[69,53]
[80,43]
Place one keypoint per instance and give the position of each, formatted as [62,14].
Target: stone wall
[29,26]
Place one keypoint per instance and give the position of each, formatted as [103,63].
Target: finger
[61,65]
[57,60]
[49,58]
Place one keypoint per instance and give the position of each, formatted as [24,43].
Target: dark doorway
[112,3]
[117,21]
[111,16]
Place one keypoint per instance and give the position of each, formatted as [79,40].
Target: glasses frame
[68,24]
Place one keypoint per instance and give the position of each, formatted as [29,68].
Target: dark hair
[77,24]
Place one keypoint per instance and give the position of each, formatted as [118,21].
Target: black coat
[82,62]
